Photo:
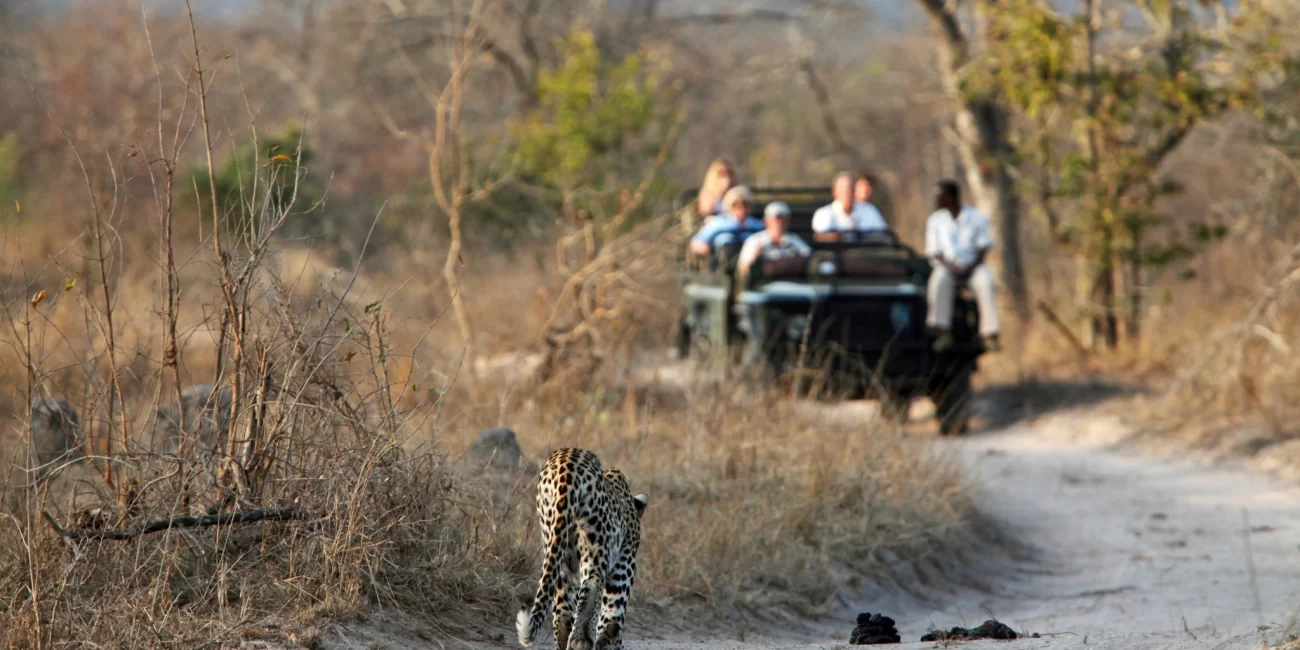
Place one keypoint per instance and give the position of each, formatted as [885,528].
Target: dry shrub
[350,398]
[753,501]
[1233,368]
[375,525]
[772,503]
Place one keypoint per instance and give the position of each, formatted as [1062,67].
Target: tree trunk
[982,129]
[453,284]
[1129,281]
[1108,319]
[1095,297]
[1083,293]
[1012,262]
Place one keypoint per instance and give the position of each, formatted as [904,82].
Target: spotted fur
[591,527]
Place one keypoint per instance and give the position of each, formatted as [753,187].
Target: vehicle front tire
[683,340]
[895,406]
[952,401]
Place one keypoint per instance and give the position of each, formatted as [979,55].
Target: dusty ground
[1099,549]
[1112,550]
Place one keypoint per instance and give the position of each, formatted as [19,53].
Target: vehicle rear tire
[952,401]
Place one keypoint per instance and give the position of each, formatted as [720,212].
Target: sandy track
[1113,551]
[1108,550]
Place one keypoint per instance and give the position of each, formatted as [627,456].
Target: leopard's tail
[523,625]
[529,620]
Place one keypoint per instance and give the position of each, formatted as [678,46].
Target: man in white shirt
[957,237]
[774,243]
[845,214]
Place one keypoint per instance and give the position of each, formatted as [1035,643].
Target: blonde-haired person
[736,219]
[718,178]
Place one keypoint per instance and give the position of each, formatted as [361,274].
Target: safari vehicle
[850,318]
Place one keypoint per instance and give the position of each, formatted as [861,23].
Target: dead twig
[1066,333]
[196,521]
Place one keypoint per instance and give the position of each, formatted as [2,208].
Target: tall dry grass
[754,502]
[354,403]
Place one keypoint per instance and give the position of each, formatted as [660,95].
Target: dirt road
[1118,551]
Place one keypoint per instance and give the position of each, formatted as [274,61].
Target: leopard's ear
[640,501]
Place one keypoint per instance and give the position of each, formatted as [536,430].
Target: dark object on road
[990,629]
[874,629]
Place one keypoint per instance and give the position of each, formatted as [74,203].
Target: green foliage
[598,124]
[1032,58]
[1093,133]
[9,186]
[255,187]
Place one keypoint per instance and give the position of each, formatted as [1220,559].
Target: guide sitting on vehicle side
[845,214]
[736,201]
[957,237]
[774,243]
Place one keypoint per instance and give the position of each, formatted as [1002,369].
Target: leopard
[591,530]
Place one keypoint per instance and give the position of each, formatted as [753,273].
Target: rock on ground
[55,432]
[205,418]
[497,447]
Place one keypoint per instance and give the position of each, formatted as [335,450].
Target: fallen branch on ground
[198,521]
[1063,329]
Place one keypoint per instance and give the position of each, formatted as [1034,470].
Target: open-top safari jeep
[850,318]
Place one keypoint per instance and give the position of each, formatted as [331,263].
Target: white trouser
[943,287]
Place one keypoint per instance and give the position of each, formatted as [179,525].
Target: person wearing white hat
[775,242]
[736,202]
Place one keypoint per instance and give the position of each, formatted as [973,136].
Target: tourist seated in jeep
[718,178]
[736,201]
[774,243]
[845,214]
[957,237]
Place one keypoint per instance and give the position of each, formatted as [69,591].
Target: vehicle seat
[765,270]
[864,264]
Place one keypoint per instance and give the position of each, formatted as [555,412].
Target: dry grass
[369,410]
[383,526]
[752,502]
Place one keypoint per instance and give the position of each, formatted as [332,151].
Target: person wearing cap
[736,218]
[774,243]
[957,238]
[844,213]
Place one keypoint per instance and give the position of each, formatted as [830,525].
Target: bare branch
[755,16]
[945,21]
[829,122]
[200,521]
[524,82]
